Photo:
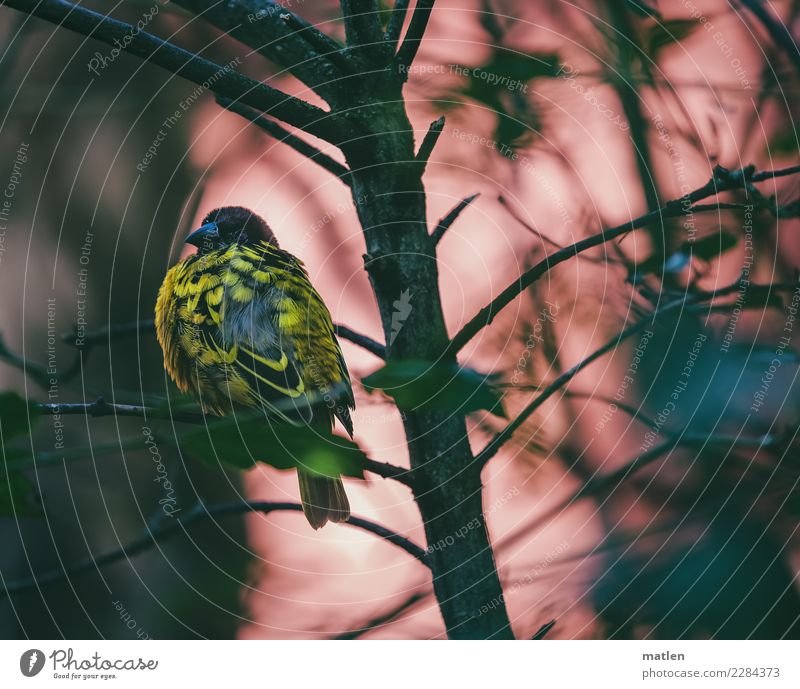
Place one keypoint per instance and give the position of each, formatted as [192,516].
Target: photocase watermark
[680,386]
[547,314]
[679,165]
[785,340]
[402,310]
[529,578]
[265,12]
[80,292]
[100,61]
[527,165]
[328,217]
[491,78]
[65,665]
[719,39]
[52,371]
[744,281]
[31,662]
[172,120]
[472,524]
[570,75]
[14,180]
[130,622]
[168,502]
[626,382]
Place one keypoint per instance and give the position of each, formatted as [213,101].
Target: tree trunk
[390,200]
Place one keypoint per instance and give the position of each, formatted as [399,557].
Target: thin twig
[222,80]
[426,147]
[543,630]
[283,135]
[416,30]
[372,346]
[444,224]
[39,373]
[160,531]
[506,433]
[723,180]
[384,618]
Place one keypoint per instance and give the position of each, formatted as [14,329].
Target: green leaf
[416,384]
[15,415]
[17,496]
[243,441]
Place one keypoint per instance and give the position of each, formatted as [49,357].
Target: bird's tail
[323,498]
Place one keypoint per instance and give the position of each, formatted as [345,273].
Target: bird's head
[230,225]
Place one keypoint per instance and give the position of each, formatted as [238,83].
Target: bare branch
[222,80]
[362,26]
[285,136]
[139,328]
[263,26]
[100,408]
[444,224]
[426,147]
[37,372]
[395,27]
[723,180]
[161,530]
[416,30]
[323,44]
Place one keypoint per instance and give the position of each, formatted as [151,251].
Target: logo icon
[31,662]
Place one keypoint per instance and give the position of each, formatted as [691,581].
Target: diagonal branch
[505,435]
[416,30]
[444,224]
[426,147]
[273,31]
[396,21]
[161,531]
[221,79]
[285,136]
[722,180]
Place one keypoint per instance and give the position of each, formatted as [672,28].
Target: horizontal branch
[283,135]
[222,80]
[722,180]
[100,408]
[35,371]
[444,224]
[162,530]
[147,326]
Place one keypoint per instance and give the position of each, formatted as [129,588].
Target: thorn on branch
[428,143]
[543,630]
[444,224]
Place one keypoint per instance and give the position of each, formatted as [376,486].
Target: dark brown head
[230,225]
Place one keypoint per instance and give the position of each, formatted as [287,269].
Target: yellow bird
[241,326]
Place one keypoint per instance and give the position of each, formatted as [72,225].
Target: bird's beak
[205,233]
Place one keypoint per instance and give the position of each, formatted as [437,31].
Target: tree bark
[390,200]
